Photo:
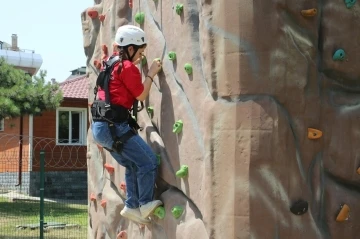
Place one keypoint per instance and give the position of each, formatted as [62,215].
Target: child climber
[136,156]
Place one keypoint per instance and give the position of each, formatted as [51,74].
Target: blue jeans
[138,159]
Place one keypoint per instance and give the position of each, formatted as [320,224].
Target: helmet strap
[127,52]
[134,53]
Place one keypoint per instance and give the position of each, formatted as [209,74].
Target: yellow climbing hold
[343,214]
[314,133]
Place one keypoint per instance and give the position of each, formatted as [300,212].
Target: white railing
[21,50]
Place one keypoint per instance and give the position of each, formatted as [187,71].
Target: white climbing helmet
[129,34]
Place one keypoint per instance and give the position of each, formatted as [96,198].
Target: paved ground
[15,196]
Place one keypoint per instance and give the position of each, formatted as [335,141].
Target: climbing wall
[253,118]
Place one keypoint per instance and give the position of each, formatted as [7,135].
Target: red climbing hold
[122,235]
[123,186]
[97,64]
[102,18]
[109,168]
[103,203]
[92,197]
[99,147]
[92,13]
[105,51]
[130,4]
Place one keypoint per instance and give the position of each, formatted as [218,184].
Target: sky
[50,27]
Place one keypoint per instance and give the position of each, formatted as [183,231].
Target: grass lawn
[28,212]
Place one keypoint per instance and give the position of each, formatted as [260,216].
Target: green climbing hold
[350,3]
[339,55]
[188,68]
[179,8]
[160,212]
[150,111]
[140,17]
[172,55]
[143,60]
[183,171]
[177,211]
[177,128]
[158,156]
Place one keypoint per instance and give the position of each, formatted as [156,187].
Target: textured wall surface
[264,72]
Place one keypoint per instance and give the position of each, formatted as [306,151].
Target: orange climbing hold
[122,235]
[92,13]
[102,18]
[130,4]
[358,170]
[309,12]
[123,186]
[92,197]
[109,168]
[103,203]
[97,64]
[343,214]
[314,133]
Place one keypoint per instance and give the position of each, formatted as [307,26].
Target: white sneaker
[149,207]
[134,215]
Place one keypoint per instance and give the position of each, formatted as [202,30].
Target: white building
[26,60]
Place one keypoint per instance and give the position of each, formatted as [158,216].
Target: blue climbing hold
[350,3]
[339,55]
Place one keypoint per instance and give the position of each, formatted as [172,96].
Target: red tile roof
[76,87]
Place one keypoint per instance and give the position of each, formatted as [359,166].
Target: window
[71,126]
[2,125]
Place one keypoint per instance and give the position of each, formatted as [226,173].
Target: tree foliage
[21,94]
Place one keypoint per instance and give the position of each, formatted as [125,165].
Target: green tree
[21,94]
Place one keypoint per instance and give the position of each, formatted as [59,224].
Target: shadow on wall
[167,120]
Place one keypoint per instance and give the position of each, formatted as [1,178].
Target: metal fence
[43,188]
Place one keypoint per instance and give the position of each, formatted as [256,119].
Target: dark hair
[121,56]
[123,49]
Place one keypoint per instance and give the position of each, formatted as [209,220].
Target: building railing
[21,50]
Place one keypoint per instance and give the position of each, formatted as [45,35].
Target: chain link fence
[62,204]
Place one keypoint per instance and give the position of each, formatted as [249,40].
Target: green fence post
[42,171]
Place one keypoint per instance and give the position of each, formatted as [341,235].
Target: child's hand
[155,67]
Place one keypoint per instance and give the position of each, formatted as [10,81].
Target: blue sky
[50,27]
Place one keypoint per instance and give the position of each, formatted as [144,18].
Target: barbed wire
[56,156]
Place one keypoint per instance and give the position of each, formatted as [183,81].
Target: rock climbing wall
[257,101]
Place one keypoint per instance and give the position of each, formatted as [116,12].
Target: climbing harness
[104,111]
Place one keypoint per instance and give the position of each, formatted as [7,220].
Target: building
[60,133]
[24,59]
